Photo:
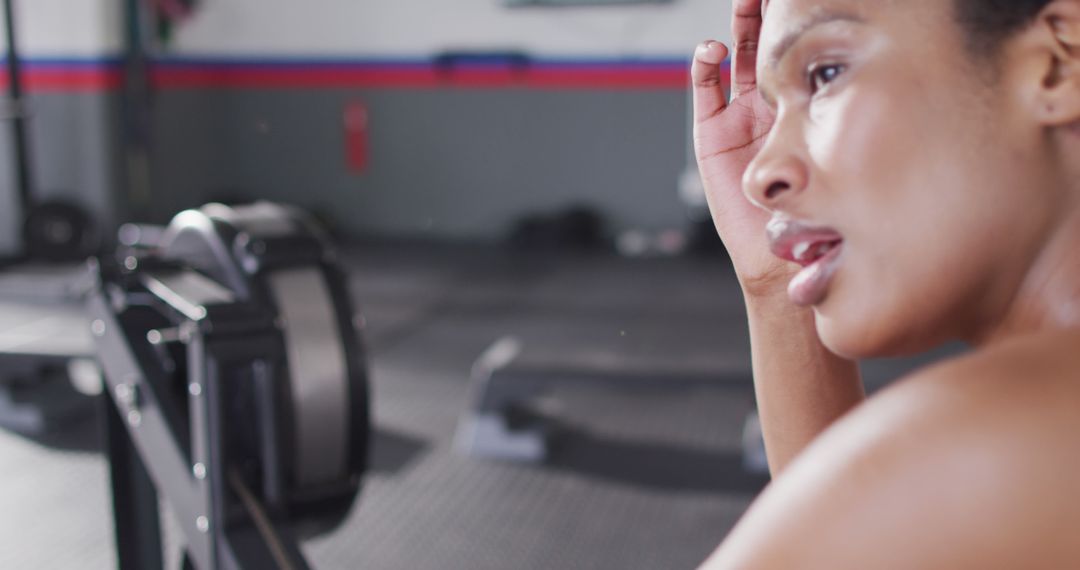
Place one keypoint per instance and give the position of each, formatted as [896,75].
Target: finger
[746,29]
[708,79]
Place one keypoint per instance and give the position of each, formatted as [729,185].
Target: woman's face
[890,133]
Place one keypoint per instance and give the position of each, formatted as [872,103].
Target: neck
[1049,296]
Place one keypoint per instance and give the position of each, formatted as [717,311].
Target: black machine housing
[238,384]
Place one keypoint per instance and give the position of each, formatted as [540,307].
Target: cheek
[869,152]
[844,136]
[876,162]
[919,180]
[865,144]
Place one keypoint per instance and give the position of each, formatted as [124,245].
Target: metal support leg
[135,502]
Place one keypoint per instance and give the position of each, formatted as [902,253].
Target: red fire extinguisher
[355,120]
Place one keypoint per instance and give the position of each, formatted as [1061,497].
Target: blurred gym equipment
[510,377]
[237,386]
[44,341]
[52,230]
[45,347]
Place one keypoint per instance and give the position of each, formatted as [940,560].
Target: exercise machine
[237,386]
[52,230]
[503,421]
[45,346]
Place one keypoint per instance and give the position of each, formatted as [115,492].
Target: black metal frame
[18,119]
[154,449]
[199,402]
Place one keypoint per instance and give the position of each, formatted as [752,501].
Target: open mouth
[811,285]
[807,252]
[817,249]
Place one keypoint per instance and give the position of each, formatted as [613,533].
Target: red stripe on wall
[611,79]
[320,76]
[422,78]
[69,79]
[278,78]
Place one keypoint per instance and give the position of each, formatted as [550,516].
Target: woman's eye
[823,75]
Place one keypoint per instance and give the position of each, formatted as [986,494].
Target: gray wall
[10,215]
[73,156]
[452,163]
[455,163]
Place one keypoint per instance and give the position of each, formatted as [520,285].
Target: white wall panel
[410,28]
[67,28]
[422,27]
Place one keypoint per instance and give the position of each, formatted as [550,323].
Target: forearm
[801,386]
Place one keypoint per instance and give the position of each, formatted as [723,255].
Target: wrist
[771,302]
[766,291]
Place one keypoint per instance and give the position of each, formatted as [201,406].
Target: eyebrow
[792,37]
[820,18]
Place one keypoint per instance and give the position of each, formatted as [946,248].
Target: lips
[816,248]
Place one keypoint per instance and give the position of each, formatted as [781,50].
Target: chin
[846,341]
[857,335]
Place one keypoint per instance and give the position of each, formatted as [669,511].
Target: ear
[1053,63]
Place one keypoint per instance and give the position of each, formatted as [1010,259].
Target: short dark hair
[989,22]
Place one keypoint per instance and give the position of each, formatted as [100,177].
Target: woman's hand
[800,387]
[727,136]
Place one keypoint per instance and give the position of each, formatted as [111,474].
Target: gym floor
[639,479]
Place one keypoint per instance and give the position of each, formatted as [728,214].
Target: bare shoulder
[1033,374]
[1026,386]
[974,463]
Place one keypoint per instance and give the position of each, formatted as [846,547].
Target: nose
[777,174]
